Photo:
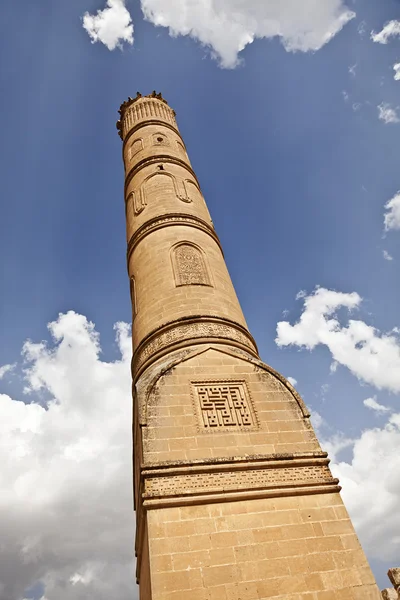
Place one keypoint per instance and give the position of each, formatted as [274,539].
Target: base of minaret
[234,496]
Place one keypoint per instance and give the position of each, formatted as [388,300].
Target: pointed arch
[135,147]
[189,265]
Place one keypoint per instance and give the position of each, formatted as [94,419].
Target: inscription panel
[296,476]
[223,405]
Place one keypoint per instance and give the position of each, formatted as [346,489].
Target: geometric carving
[236,480]
[189,265]
[223,405]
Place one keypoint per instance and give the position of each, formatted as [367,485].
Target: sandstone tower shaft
[233,494]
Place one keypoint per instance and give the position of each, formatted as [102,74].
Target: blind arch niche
[189,264]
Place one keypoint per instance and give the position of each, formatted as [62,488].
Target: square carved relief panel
[223,406]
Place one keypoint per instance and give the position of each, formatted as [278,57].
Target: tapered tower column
[233,494]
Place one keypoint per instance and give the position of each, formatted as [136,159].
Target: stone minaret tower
[233,494]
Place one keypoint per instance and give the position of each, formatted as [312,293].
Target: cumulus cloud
[392,215]
[372,356]
[6,369]
[387,256]
[374,405]
[66,470]
[228,26]
[111,26]
[396,69]
[391,29]
[371,488]
[387,113]
[292,381]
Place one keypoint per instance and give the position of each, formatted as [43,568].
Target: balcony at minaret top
[144,108]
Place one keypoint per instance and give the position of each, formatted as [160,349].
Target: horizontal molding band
[190,331]
[157,122]
[168,220]
[217,462]
[151,504]
[235,480]
[233,466]
[151,160]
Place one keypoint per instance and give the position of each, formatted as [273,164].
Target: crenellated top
[142,108]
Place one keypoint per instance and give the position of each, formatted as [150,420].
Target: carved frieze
[234,479]
[171,219]
[191,332]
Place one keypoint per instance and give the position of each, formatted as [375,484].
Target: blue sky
[295,141]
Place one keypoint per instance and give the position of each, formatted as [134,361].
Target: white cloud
[374,405]
[387,256]
[396,69]
[352,70]
[292,381]
[6,369]
[371,489]
[391,29]
[372,356]
[387,114]
[228,26]
[392,216]
[66,511]
[345,96]
[111,26]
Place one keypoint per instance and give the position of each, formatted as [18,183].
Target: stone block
[389,594]
[394,576]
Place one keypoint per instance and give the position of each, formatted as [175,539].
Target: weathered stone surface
[394,576]
[389,594]
[233,494]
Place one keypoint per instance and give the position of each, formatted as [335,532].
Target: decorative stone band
[166,158]
[152,122]
[143,110]
[187,332]
[168,220]
[204,483]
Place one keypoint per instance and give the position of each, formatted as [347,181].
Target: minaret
[233,495]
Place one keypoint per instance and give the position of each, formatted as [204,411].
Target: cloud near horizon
[66,511]
[228,26]
[66,508]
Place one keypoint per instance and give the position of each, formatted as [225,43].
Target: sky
[291,115]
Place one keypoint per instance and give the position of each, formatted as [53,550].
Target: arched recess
[189,264]
[160,184]
[192,190]
[135,147]
[181,148]
[133,296]
[160,139]
[137,200]
[149,384]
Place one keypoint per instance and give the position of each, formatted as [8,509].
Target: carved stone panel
[223,405]
[189,265]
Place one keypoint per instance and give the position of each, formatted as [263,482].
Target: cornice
[169,220]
